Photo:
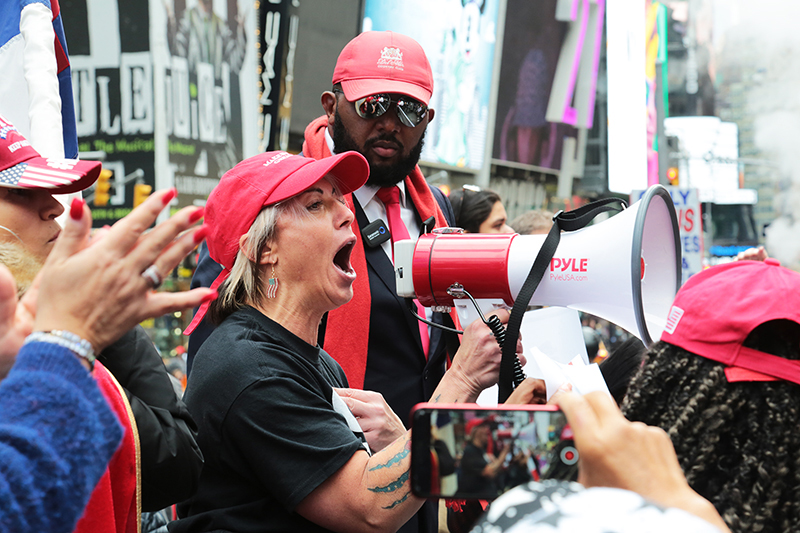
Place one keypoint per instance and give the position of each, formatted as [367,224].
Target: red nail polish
[76,209]
[209,297]
[173,192]
[197,215]
[201,234]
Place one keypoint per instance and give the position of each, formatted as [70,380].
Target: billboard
[459,38]
[627,99]
[532,44]
[165,89]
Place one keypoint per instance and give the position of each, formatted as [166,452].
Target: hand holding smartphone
[467,451]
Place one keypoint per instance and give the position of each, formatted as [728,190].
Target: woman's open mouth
[342,258]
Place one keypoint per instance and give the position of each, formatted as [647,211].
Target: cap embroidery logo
[391,58]
[13,147]
[674,317]
[277,158]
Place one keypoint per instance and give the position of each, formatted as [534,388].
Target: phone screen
[466,451]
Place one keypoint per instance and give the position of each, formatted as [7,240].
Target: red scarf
[115,505]
[346,343]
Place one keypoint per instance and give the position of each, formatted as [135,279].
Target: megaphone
[626,269]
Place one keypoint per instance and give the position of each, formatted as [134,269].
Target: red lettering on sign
[686,219]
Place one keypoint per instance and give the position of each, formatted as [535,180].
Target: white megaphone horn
[625,269]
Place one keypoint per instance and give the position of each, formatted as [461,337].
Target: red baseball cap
[475,422]
[21,167]
[261,181]
[384,62]
[716,309]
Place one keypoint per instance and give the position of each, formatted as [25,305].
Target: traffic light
[140,193]
[103,185]
[672,175]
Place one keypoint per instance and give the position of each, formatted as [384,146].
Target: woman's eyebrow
[315,189]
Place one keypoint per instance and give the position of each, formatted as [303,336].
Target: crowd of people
[305,364]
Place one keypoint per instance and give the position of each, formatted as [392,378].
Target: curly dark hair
[736,442]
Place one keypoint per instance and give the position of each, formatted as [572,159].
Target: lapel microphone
[376,233]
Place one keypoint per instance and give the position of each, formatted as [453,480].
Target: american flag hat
[21,167]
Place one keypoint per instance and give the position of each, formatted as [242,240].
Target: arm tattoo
[396,459]
[398,502]
[394,485]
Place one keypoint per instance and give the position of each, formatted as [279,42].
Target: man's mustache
[384,137]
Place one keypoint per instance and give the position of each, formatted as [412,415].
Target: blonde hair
[243,285]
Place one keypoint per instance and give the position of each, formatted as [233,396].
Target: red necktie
[390,196]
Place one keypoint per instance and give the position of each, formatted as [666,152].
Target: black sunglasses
[410,111]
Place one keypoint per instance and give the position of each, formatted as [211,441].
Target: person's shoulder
[230,344]
[444,204]
[248,339]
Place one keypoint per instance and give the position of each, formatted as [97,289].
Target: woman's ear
[267,255]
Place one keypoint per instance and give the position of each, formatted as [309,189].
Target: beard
[379,175]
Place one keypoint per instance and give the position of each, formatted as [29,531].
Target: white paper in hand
[583,378]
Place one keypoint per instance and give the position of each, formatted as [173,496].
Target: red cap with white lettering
[21,167]
[259,181]
[384,62]
[716,309]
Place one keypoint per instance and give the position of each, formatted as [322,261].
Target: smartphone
[466,451]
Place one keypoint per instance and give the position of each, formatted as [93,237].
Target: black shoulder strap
[562,221]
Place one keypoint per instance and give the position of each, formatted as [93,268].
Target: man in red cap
[378,106]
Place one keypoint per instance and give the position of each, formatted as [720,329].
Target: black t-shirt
[270,427]
[473,461]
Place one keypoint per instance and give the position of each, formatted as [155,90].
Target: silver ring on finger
[152,275]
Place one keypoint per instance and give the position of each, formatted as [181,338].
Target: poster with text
[459,38]
[112,80]
[210,85]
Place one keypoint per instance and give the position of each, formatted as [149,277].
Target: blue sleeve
[57,434]
[444,205]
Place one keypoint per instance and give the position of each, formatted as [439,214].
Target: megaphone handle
[499,333]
